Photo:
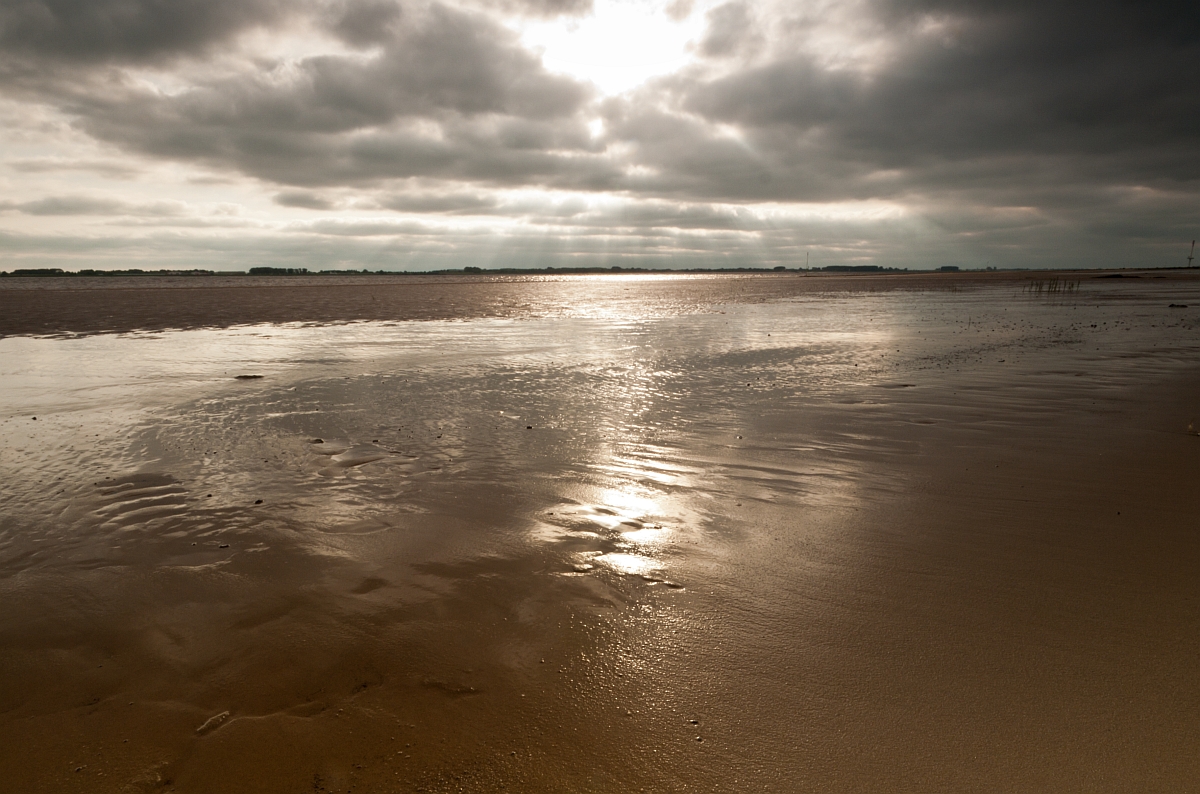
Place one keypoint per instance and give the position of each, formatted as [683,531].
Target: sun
[620,45]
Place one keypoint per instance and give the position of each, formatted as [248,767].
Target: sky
[351,134]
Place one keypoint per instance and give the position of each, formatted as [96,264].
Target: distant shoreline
[468,271]
[474,271]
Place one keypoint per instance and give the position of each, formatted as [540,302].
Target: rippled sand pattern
[608,535]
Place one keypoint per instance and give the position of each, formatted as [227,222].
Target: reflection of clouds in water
[652,418]
[637,486]
[408,427]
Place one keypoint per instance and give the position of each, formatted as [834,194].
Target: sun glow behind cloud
[619,46]
[580,212]
[715,133]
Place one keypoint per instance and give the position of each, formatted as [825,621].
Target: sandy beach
[729,533]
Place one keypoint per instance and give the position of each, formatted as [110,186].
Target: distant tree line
[58,271]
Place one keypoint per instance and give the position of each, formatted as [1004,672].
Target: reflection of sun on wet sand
[598,535]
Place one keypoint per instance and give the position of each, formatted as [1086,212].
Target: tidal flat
[657,533]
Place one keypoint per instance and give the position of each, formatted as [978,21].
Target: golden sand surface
[601,534]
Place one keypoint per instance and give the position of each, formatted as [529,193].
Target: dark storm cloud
[303,199]
[444,62]
[128,30]
[366,22]
[683,157]
[731,31]
[1109,91]
[453,202]
[91,205]
[451,94]
[1002,124]
[538,8]
[36,165]
[971,96]
[463,150]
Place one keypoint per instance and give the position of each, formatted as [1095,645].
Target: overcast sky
[227,134]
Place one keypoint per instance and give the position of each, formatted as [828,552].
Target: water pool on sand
[605,540]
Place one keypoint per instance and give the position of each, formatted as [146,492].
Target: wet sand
[87,305]
[603,534]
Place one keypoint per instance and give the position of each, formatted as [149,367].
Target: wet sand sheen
[911,540]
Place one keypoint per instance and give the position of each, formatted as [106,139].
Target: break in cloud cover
[414,135]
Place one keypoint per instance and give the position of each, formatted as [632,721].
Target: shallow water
[719,545]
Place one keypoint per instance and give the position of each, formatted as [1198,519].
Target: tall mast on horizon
[1191,253]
